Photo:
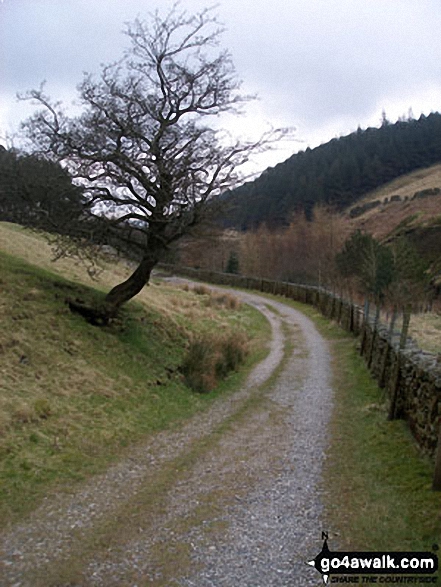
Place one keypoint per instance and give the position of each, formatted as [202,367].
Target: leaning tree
[148,148]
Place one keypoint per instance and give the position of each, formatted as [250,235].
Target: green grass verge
[74,396]
[377,483]
[380,495]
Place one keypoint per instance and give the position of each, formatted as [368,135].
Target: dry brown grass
[217,299]
[383,220]
[407,185]
[168,299]
[224,300]
[202,290]
[425,329]
[211,357]
[69,390]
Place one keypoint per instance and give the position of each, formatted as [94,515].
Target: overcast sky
[322,66]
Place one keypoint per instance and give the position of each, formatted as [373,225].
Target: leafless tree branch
[142,148]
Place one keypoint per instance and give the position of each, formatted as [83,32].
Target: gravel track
[237,498]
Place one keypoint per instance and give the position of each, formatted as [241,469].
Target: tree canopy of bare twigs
[147,147]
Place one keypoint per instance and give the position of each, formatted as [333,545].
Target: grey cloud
[313,62]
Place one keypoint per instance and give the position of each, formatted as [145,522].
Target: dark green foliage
[349,260]
[370,262]
[396,269]
[37,193]
[408,263]
[411,273]
[336,173]
[233,263]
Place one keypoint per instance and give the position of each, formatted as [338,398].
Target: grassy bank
[380,495]
[74,396]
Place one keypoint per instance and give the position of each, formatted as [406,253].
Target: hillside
[410,201]
[408,206]
[77,400]
[73,396]
[337,174]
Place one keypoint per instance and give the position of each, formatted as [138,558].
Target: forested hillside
[36,192]
[337,173]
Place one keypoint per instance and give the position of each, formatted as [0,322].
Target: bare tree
[144,148]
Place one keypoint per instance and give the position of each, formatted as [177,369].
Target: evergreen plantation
[337,173]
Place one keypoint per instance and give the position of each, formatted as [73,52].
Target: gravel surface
[277,527]
[230,498]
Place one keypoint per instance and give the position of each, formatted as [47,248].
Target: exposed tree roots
[94,315]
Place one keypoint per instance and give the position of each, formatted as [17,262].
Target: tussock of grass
[211,358]
[72,395]
[202,290]
[224,300]
[215,298]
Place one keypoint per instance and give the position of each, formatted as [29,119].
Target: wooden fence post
[406,322]
[340,312]
[396,380]
[374,336]
[382,377]
[390,336]
[364,326]
[395,389]
[436,486]
[392,323]
[351,317]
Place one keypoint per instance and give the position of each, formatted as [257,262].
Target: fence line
[411,378]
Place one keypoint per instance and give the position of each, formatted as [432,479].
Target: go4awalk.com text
[376,568]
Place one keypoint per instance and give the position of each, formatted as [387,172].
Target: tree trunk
[126,290]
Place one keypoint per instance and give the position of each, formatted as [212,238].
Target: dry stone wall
[410,377]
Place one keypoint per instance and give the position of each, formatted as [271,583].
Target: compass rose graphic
[316,562]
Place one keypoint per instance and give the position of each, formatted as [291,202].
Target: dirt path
[230,498]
